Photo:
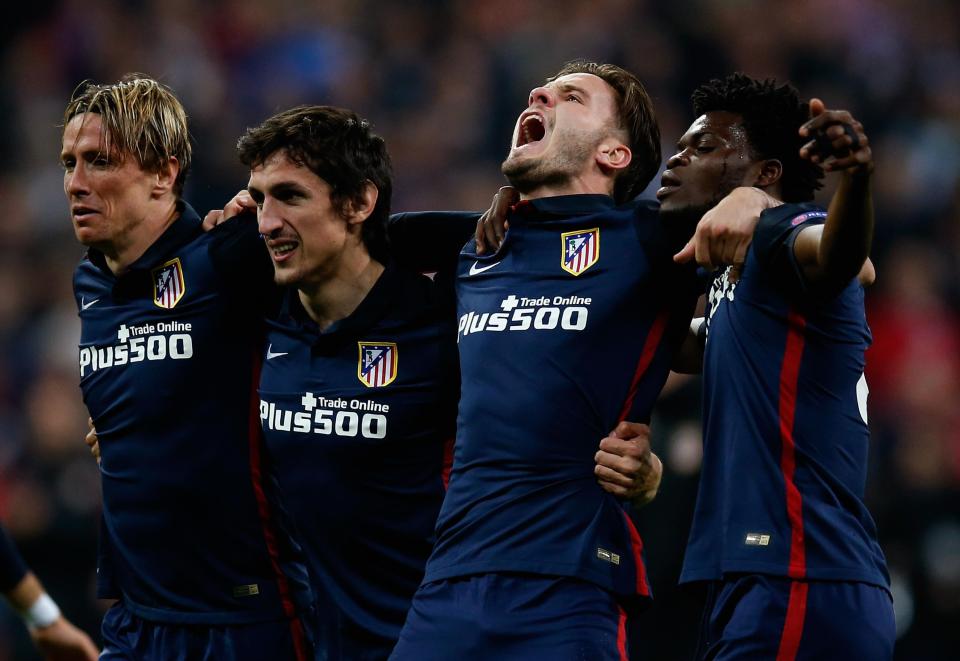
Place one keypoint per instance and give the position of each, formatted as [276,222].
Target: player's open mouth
[281,250]
[532,130]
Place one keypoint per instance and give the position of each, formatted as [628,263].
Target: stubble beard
[530,174]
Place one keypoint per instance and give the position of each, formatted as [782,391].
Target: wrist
[42,613]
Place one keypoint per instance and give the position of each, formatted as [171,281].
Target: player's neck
[592,183]
[336,296]
[123,251]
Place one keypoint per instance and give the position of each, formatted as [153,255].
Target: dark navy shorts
[753,616]
[127,637]
[513,617]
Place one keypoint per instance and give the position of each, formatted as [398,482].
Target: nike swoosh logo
[475,268]
[271,355]
[84,305]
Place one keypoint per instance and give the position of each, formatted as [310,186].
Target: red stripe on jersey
[636,547]
[622,634]
[793,623]
[646,356]
[255,438]
[789,377]
[447,465]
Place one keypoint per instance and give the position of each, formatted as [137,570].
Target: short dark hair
[338,146]
[772,117]
[140,117]
[637,118]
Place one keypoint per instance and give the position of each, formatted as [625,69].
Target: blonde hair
[140,117]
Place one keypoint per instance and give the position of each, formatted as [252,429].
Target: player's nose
[543,96]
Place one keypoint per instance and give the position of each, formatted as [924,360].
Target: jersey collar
[371,309]
[562,206]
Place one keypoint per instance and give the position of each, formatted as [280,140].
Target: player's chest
[362,391]
[156,321]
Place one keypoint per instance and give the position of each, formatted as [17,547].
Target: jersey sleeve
[430,241]
[773,241]
[240,258]
[12,566]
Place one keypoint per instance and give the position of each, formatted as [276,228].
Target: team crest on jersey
[168,284]
[378,363]
[581,250]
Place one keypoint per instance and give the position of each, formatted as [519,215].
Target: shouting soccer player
[780,529]
[568,329]
[171,329]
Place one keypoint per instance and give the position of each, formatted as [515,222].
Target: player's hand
[837,140]
[493,224]
[92,442]
[626,467]
[62,641]
[241,202]
[725,232]
[868,273]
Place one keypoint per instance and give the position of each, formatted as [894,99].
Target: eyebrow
[279,188]
[696,135]
[570,87]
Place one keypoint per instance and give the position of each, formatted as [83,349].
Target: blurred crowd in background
[443,82]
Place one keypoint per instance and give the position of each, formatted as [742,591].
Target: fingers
[241,202]
[212,219]
[837,140]
[492,226]
[631,430]
[614,477]
[91,438]
[816,107]
[686,253]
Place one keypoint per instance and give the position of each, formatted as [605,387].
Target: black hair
[772,117]
[338,146]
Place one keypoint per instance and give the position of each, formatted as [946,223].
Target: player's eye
[574,97]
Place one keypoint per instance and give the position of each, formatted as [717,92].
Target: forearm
[848,230]
[25,593]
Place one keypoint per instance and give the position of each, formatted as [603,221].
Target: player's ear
[166,177]
[770,172]
[360,208]
[613,155]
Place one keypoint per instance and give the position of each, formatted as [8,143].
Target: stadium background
[444,82]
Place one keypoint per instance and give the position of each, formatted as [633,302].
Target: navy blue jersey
[359,421]
[169,353]
[785,422]
[12,566]
[569,328]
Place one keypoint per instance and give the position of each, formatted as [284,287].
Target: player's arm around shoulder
[830,255]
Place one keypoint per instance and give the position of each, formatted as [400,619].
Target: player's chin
[284,275]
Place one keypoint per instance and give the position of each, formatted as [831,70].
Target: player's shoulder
[792,214]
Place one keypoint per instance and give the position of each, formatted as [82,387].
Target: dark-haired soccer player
[171,329]
[780,529]
[359,386]
[534,560]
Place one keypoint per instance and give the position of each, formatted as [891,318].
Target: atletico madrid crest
[378,363]
[581,250]
[168,285]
